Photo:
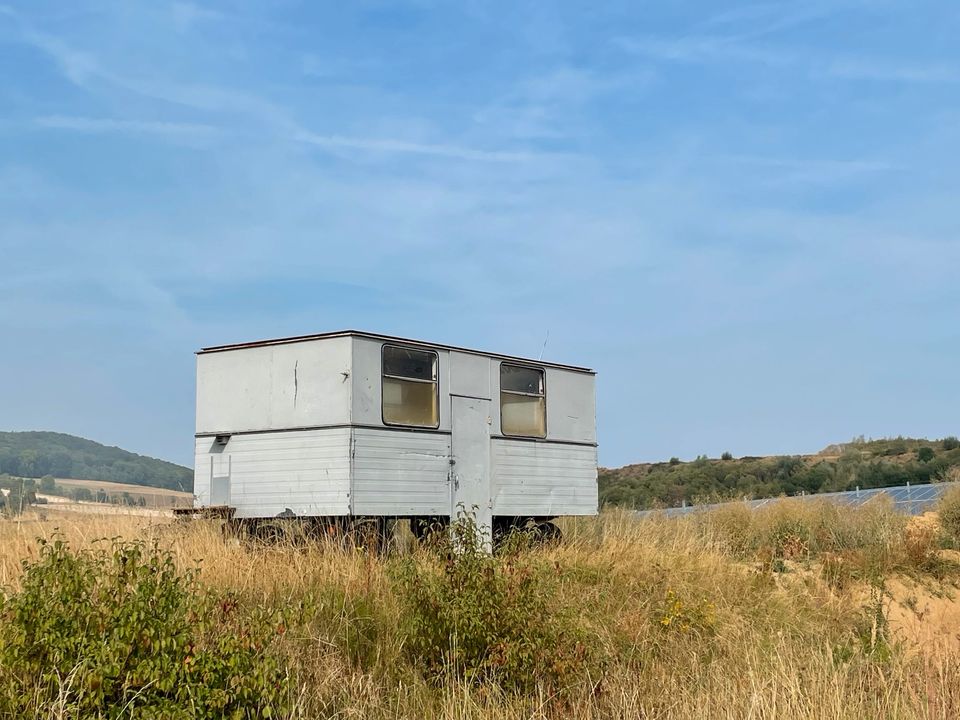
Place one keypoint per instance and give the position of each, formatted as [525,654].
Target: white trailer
[348,425]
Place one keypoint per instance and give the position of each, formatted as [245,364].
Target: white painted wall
[470,375]
[274,387]
[571,406]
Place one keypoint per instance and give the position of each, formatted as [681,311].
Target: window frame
[543,379]
[435,383]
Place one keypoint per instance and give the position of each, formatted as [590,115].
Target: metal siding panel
[306,472]
[543,478]
[400,473]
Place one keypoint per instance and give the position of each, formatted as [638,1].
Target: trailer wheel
[428,529]
[524,532]
[370,534]
[233,529]
[547,533]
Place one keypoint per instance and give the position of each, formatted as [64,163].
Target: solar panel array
[909,499]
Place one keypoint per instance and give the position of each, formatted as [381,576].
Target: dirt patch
[924,616]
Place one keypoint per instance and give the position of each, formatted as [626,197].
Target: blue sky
[745,216]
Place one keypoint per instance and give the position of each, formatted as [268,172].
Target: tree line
[36,454]
[860,463]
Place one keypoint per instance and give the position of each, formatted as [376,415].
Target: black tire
[429,530]
[547,533]
[371,534]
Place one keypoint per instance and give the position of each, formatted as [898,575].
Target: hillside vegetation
[36,454]
[798,610]
[863,463]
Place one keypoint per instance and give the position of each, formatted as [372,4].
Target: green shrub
[925,454]
[949,511]
[487,619]
[951,443]
[120,632]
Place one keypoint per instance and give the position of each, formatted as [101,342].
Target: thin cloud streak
[112,125]
[869,69]
[704,49]
[386,145]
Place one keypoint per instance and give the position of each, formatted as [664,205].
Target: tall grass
[778,613]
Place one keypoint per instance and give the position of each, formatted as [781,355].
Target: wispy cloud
[700,49]
[703,49]
[873,69]
[760,19]
[782,171]
[550,104]
[273,119]
[187,14]
[743,35]
[78,66]
[112,125]
[386,145]
[497,166]
[732,35]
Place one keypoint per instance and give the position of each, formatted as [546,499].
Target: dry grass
[730,615]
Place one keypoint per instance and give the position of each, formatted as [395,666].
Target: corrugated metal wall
[537,478]
[305,472]
[400,473]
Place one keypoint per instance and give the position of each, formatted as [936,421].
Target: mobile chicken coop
[350,426]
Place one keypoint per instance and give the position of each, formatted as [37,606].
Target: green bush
[48,484]
[121,632]
[951,443]
[487,619]
[925,454]
[949,511]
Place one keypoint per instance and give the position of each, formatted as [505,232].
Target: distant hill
[863,463]
[35,454]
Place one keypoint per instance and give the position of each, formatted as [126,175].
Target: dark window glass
[407,363]
[521,379]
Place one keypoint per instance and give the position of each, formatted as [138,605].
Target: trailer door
[470,471]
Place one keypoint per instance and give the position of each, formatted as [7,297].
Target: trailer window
[523,409]
[409,387]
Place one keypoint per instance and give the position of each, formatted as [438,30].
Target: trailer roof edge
[388,338]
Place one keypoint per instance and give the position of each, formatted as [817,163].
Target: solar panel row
[909,499]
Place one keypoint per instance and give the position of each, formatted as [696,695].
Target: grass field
[796,611]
